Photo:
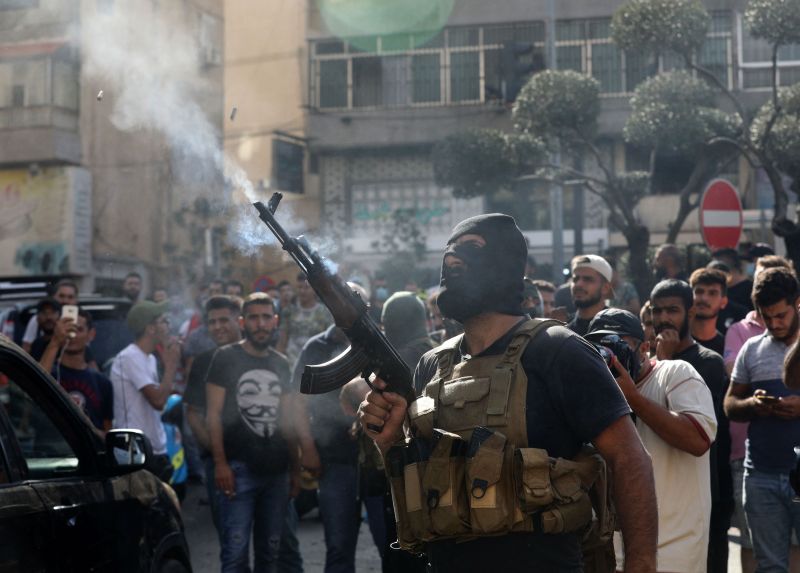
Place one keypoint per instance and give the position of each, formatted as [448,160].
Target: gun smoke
[151,62]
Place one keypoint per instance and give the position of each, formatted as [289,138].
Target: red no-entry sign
[721,215]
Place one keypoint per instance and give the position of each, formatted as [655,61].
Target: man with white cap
[591,286]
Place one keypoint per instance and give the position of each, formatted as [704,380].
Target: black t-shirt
[579,325]
[733,312]
[571,399]
[195,393]
[711,368]
[253,389]
[90,390]
[740,294]
[717,344]
[330,428]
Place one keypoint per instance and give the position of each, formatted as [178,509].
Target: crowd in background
[214,386]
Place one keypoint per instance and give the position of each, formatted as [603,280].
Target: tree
[557,112]
[767,138]
[405,242]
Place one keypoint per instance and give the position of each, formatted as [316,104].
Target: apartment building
[80,197]
[379,103]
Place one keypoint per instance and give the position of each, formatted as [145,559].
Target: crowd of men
[698,376]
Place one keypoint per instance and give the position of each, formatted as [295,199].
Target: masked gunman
[494,472]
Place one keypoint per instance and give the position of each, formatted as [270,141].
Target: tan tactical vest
[468,471]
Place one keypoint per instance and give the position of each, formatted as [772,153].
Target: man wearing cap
[675,419]
[559,397]
[139,396]
[591,286]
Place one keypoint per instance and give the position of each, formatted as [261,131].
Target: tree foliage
[776,21]
[767,138]
[782,144]
[676,113]
[558,106]
[479,162]
[655,25]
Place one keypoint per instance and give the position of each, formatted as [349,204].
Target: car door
[53,448]
[24,522]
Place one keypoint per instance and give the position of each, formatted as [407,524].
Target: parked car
[70,499]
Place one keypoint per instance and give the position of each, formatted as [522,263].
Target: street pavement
[205,548]
[202,538]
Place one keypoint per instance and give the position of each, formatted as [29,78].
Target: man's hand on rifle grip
[382,415]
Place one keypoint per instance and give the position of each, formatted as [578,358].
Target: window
[18,96]
[426,78]
[287,165]
[464,76]
[467,65]
[43,446]
[755,61]
[456,65]
[367,82]
[333,83]
[65,85]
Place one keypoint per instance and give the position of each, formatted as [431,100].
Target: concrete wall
[136,193]
[265,80]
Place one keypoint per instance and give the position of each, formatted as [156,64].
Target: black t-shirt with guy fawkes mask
[253,386]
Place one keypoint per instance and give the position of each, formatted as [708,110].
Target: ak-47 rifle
[369,352]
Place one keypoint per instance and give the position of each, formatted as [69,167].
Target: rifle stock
[370,352]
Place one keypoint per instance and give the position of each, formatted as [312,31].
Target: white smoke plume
[149,61]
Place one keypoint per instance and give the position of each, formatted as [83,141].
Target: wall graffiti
[45,221]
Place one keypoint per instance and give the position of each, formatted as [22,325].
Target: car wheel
[172,566]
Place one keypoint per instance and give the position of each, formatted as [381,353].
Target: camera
[613,345]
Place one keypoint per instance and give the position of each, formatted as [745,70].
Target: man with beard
[710,297]
[248,393]
[90,389]
[46,317]
[591,286]
[132,286]
[757,394]
[547,390]
[547,295]
[673,311]
[64,292]
[668,263]
[675,419]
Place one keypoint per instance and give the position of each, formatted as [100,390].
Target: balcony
[39,104]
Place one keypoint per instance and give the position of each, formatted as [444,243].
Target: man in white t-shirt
[139,397]
[676,422]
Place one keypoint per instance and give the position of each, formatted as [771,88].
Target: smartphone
[768,399]
[70,311]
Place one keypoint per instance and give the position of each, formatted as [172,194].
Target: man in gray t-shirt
[757,395]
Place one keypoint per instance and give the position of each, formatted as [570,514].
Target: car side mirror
[127,450]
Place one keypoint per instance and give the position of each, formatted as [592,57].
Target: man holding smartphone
[65,359]
[757,394]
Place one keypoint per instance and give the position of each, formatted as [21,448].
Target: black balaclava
[491,279]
